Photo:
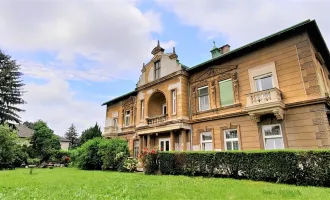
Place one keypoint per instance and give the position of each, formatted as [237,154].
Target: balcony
[110,131]
[156,119]
[265,102]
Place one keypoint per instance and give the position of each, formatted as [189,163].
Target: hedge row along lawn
[282,166]
[71,183]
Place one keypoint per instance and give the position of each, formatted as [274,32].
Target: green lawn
[70,183]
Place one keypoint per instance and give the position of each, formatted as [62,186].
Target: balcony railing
[156,119]
[111,131]
[263,97]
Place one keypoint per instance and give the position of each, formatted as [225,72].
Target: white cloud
[114,34]
[55,103]
[240,22]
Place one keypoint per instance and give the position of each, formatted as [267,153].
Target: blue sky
[75,55]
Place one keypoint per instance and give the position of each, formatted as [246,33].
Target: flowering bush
[130,164]
[148,157]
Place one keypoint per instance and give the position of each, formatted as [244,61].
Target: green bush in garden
[33,161]
[282,166]
[100,153]
[113,152]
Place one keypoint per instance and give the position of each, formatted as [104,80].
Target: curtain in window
[226,93]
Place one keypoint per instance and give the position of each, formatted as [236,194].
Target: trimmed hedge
[294,167]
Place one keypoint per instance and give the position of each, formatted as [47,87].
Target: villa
[270,94]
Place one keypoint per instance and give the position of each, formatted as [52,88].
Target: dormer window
[157,70]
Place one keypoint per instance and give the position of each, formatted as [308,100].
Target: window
[273,138]
[157,70]
[164,144]
[263,82]
[136,146]
[173,101]
[142,110]
[226,92]
[127,117]
[164,109]
[203,98]
[231,139]
[115,122]
[206,141]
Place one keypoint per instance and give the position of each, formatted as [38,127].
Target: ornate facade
[270,94]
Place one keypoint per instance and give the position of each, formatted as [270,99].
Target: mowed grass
[71,183]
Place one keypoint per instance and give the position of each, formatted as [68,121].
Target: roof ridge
[254,42]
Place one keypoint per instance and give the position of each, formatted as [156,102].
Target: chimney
[224,49]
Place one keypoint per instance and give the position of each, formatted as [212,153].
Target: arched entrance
[157,105]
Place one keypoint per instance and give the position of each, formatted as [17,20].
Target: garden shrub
[283,166]
[130,164]
[33,161]
[113,152]
[88,157]
[100,153]
[149,161]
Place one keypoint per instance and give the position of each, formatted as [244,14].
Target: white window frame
[205,141]
[263,76]
[142,110]
[165,140]
[273,136]
[231,139]
[173,102]
[127,122]
[164,106]
[199,102]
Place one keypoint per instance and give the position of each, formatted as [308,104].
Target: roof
[117,99]
[24,131]
[63,139]
[309,25]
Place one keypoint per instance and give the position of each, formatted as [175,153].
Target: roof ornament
[157,49]
[143,68]
[173,55]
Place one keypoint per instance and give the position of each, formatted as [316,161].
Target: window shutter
[226,93]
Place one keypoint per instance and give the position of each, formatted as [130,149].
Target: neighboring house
[24,133]
[270,94]
[64,143]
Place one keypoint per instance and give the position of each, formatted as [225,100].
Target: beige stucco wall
[64,145]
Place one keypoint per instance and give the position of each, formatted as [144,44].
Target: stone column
[172,146]
[148,141]
[143,142]
[184,139]
[140,144]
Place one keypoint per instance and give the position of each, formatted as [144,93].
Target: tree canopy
[7,147]
[90,133]
[44,141]
[72,135]
[11,90]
